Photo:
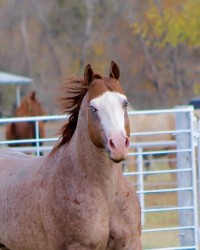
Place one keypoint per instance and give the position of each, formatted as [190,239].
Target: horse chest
[124,220]
[96,221]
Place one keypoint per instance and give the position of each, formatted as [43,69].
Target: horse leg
[172,164]
[101,246]
[147,164]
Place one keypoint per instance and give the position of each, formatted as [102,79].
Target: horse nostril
[127,142]
[112,145]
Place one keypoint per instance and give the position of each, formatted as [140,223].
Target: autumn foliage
[156,44]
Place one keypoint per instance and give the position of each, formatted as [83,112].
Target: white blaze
[110,108]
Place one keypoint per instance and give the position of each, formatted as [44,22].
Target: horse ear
[88,74]
[33,94]
[114,70]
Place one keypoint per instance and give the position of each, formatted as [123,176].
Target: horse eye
[92,109]
[125,104]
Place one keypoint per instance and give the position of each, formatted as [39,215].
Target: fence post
[186,182]
[37,137]
[198,159]
[140,181]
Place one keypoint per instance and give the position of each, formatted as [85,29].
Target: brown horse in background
[30,106]
[76,196]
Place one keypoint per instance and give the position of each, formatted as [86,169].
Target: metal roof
[7,78]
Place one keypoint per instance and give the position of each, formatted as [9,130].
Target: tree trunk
[88,30]
[152,66]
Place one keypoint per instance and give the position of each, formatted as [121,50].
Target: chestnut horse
[75,197]
[30,106]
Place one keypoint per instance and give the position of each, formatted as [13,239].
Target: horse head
[30,106]
[108,121]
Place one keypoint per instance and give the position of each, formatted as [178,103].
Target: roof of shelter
[7,78]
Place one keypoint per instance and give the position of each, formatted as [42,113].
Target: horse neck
[87,158]
[21,112]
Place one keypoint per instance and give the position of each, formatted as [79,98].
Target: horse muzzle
[118,147]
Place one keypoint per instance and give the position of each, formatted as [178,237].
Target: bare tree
[88,31]
[46,36]
[25,38]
